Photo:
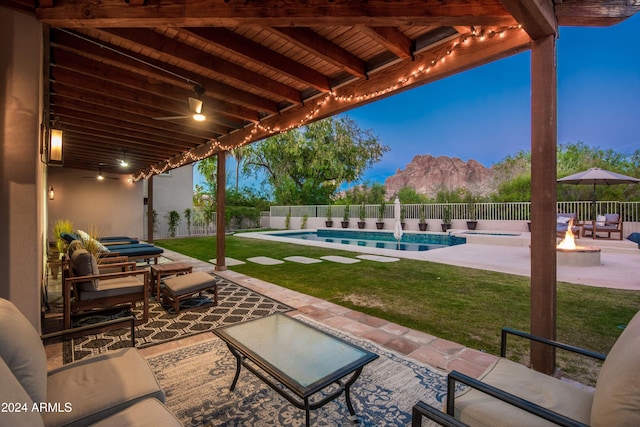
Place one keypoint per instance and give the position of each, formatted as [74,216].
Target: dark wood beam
[270,13]
[309,40]
[543,200]
[392,39]
[255,52]
[537,17]
[595,13]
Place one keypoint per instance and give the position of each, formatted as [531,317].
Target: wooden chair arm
[422,409]
[90,328]
[105,276]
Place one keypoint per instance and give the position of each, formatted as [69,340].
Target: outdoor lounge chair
[562,224]
[609,223]
[510,394]
[115,388]
[87,287]
[134,251]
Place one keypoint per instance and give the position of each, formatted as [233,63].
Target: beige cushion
[479,409]
[146,413]
[22,351]
[617,398]
[98,387]
[85,264]
[113,287]
[19,410]
[189,283]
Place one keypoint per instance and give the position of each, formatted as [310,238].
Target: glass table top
[299,351]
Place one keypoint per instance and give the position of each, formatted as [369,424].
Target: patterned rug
[196,380]
[198,314]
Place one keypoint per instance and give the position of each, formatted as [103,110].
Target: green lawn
[464,305]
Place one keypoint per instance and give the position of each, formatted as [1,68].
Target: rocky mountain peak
[429,175]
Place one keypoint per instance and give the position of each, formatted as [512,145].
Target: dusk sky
[484,113]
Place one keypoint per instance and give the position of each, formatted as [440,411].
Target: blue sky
[484,113]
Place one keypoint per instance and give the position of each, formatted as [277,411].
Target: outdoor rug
[198,314]
[196,381]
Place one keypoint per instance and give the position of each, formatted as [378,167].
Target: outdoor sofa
[116,388]
[510,394]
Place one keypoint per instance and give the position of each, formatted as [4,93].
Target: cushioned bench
[179,287]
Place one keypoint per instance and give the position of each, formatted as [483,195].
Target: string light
[216,146]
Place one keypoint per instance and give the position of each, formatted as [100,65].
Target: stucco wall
[114,207]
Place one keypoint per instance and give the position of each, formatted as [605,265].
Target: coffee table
[281,350]
[168,269]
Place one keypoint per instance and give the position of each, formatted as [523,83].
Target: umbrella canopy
[597,176]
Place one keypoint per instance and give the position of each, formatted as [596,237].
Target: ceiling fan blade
[171,118]
[195,105]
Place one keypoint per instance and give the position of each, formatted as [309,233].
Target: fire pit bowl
[580,256]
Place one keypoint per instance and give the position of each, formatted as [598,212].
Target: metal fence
[493,215]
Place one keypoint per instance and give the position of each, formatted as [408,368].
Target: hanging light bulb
[100,177]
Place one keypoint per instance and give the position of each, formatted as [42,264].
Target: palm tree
[238,154]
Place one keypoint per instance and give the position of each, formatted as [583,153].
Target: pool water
[377,239]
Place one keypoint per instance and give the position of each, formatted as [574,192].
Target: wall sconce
[54,152]
[51,193]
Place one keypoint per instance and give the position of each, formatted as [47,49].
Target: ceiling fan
[195,107]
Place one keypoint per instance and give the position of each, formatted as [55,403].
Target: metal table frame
[299,396]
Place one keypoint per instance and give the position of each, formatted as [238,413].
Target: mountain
[428,175]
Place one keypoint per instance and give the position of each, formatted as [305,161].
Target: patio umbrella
[397,227]
[597,176]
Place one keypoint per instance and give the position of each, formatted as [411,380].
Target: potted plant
[361,223]
[380,223]
[345,217]
[446,218]
[329,222]
[472,222]
[422,222]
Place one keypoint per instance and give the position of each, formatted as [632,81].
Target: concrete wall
[113,206]
[22,173]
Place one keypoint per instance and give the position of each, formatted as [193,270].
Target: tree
[308,164]
[208,168]
[238,154]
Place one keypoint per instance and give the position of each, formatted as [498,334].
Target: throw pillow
[600,220]
[563,219]
[85,264]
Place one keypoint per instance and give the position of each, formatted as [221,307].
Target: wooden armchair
[510,394]
[86,285]
[609,223]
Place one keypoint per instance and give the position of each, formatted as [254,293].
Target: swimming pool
[377,239]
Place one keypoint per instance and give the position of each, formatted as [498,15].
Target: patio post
[150,209]
[543,199]
[220,210]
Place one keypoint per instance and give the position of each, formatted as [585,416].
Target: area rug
[196,381]
[198,314]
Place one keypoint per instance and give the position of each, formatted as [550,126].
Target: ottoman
[179,287]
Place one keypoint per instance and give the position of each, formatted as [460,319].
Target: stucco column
[543,199]
[22,173]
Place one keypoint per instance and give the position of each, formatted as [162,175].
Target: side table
[160,270]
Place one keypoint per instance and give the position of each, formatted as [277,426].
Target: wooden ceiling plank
[537,17]
[183,53]
[67,42]
[270,13]
[255,52]
[392,39]
[309,40]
